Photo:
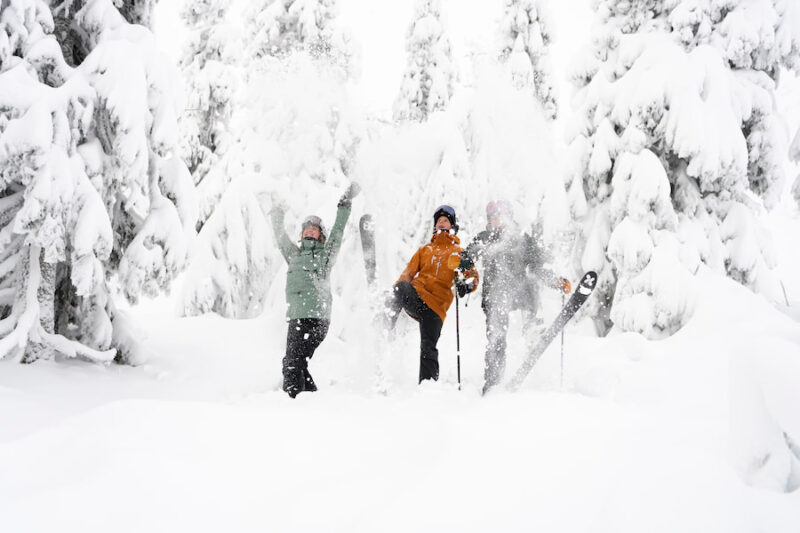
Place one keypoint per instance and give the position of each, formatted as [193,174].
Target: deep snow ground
[688,434]
[685,434]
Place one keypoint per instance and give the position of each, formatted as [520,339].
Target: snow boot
[309,385]
[293,381]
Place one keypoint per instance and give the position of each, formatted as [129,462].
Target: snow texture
[430,76]
[686,89]
[525,35]
[90,188]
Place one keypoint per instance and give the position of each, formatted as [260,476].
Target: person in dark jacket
[424,289]
[513,264]
[308,289]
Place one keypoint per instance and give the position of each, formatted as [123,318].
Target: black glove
[466,261]
[462,287]
[347,198]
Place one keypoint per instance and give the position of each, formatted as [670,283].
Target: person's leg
[404,297]
[292,366]
[430,328]
[531,330]
[496,332]
[318,330]
[303,338]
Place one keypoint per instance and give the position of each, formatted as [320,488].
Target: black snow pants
[405,297]
[303,338]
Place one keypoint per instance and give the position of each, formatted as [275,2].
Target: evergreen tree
[209,68]
[524,45]
[296,134]
[278,28]
[429,78]
[89,187]
[677,138]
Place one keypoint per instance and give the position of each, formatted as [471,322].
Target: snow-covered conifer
[677,150]
[296,130]
[525,38]
[430,77]
[208,66]
[281,27]
[90,187]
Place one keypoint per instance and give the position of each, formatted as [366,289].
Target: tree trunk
[45,296]
[71,45]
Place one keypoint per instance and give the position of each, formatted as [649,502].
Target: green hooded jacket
[308,286]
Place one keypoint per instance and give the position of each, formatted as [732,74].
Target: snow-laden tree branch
[90,188]
[677,138]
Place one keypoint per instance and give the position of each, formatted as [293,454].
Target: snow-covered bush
[91,193]
[525,37]
[429,79]
[677,149]
[209,68]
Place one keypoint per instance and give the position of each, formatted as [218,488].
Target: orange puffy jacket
[428,272]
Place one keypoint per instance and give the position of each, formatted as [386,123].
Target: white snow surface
[696,432]
[685,434]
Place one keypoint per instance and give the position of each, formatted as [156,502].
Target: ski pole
[458,345]
[563,296]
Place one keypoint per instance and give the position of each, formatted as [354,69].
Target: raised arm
[334,241]
[285,245]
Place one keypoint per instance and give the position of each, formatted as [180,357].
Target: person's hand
[277,205]
[564,285]
[347,198]
[463,287]
[460,262]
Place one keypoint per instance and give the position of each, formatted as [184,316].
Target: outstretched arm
[334,242]
[535,259]
[285,245]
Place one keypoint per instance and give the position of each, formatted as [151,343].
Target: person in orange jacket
[424,289]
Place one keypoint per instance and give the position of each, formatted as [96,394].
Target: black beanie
[445,211]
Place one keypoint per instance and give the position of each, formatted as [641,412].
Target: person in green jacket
[308,289]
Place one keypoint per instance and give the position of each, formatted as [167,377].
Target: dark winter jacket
[429,274]
[308,287]
[512,263]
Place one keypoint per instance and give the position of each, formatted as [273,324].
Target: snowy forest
[160,161]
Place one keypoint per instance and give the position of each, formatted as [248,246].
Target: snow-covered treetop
[524,41]
[281,27]
[429,79]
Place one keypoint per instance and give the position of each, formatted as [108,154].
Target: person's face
[312,232]
[497,221]
[443,223]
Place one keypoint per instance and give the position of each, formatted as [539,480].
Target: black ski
[367,230]
[582,292]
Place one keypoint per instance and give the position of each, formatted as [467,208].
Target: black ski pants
[303,338]
[405,297]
